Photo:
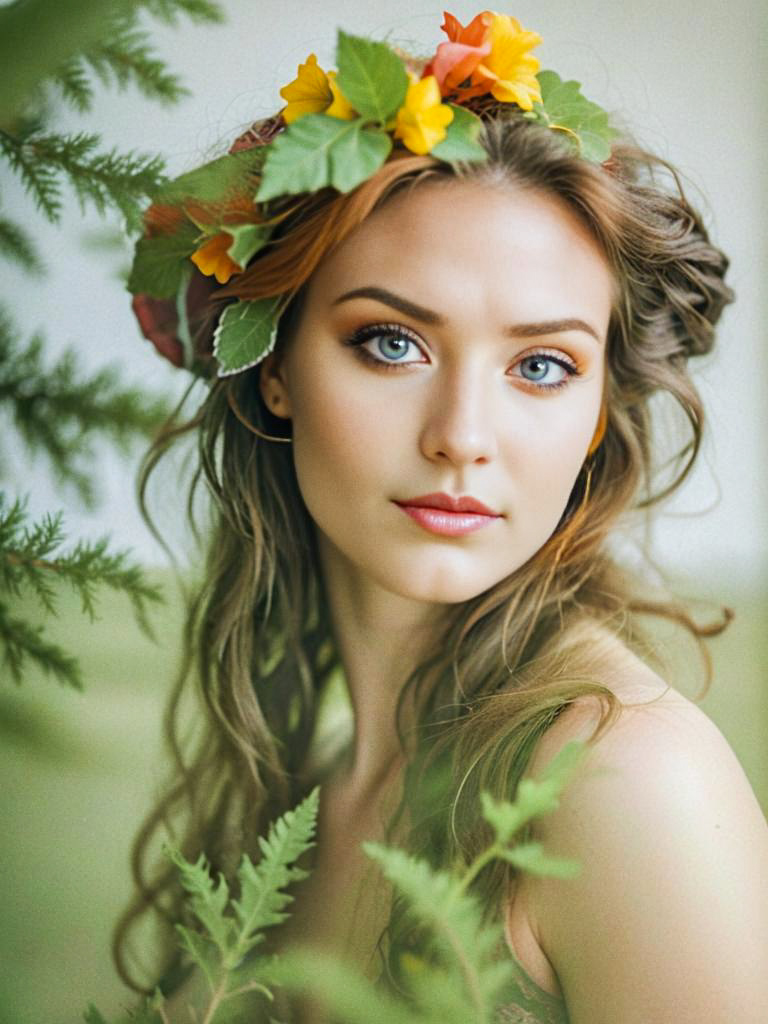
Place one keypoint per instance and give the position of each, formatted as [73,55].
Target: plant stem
[477,866]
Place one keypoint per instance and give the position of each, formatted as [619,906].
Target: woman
[418,468]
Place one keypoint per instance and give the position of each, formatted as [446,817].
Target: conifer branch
[22,642]
[31,560]
[169,10]
[15,244]
[72,80]
[105,179]
[127,58]
[60,411]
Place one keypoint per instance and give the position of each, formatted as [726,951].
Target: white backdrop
[686,77]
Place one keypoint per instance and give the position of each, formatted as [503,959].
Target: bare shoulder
[668,918]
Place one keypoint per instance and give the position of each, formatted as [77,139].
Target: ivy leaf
[216,180]
[460,142]
[247,331]
[318,150]
[371,77]
[248,239]
[564,108]
[159,264]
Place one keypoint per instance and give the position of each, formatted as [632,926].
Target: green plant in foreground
[456,978]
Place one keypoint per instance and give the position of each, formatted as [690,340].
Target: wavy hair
[258,643]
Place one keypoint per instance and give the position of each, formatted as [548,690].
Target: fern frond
[262,901]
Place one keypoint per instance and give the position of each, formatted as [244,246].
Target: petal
[341,106]
[453,62]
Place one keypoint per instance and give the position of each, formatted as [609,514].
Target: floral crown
[336,129]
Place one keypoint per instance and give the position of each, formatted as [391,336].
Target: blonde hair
[258,639]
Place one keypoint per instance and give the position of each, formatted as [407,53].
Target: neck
[381,637]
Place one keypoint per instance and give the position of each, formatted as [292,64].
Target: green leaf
[216,180]
[93,1016]
[261,901]
[248,239]
[371,77]
[207,900]
[454,916]
[460,142]
[534,797]
[246,333]
[531,857]
[564,108]
[318,150]
[202,951]
[160,262]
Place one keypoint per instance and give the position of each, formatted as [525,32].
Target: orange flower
[490,55]
[213,260]
[455,61]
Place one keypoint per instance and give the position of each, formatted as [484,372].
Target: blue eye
[390,344]
[540,365]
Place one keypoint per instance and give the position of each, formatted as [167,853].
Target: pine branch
[61,411]
[39,39]
[103,179]
[31,560]
[22,642]
[169,10]
[126,58]
[15,244]
[72,79]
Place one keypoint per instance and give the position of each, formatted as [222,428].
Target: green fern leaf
[262,902]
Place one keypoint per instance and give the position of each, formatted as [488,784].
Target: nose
[459,425]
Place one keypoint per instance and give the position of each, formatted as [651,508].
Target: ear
[273,386]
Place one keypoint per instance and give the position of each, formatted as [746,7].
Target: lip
[445,502]
[451,517]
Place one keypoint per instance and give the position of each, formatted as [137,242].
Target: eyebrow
[428,316]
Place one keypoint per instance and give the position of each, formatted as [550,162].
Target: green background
[80,770]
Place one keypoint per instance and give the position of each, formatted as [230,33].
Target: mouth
[450,517]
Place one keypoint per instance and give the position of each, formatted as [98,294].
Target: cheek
[336,445]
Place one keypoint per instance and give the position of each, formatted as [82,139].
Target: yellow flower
[314,91]
[509,66]
[213,260]
[422,121]
[340,107]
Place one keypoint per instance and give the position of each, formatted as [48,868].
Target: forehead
[454,244]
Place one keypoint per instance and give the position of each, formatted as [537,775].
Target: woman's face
[453,343]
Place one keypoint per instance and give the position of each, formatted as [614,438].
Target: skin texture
[668,920]
[466,415]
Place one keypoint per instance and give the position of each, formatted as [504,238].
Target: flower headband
[336,129]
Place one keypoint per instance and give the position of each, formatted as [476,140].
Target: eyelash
[370,331]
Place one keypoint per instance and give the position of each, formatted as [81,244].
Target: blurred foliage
[453,976]
[56,52]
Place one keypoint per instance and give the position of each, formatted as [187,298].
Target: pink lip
[449,504]
[451,517]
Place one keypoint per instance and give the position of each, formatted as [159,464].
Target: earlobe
[273,387]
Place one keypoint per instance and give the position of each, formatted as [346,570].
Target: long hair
[258,643]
